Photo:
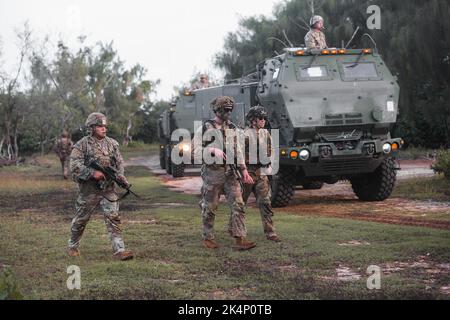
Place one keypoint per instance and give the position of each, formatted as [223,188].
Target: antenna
[285,35]
[354,34]
[301,27]
[273,38]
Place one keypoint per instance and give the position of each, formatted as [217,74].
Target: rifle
[238,175]
[111,174]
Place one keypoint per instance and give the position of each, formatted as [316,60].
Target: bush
[8,285]
[442,164]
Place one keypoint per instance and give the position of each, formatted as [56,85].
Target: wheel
[313,185]
[376,186]
[162,158]
[178,170]
[168,160]
[282,189]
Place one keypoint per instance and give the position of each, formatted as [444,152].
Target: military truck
[334,110]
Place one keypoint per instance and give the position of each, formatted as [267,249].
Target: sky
[173,39]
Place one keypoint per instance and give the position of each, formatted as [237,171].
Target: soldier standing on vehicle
[94,190]
[315,38]
[63,148]
[258,136]
[219,178]
[202,84]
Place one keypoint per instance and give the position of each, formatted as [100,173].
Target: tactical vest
[258,161]
[104,154]
[231,126]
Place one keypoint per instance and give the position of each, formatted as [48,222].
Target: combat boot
[124,255]
[210,244]
[243,244]
[274,238]
[73,252]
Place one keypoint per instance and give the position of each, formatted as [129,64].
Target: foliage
[8,285]
[61,90]
[442,164]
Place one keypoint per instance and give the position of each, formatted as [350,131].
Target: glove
[124,180]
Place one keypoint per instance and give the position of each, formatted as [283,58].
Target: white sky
[171,38]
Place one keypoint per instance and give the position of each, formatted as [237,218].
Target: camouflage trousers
[85,205]
[65,164]
[218,181]
[261,190]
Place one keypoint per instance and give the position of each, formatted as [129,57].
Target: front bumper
[364,157]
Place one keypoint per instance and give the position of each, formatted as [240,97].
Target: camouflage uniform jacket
[63,148]
[106,151]
[200,85]
[254,141]
[200,145]
[315,40]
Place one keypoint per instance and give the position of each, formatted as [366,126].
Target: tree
[12,101]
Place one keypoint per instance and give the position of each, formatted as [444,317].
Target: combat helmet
[314,20]
[220,104]
[96,119]
[256,112]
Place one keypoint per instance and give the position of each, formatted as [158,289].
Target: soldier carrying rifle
[96,188]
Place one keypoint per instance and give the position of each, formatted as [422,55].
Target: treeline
[48,93]
[414,41]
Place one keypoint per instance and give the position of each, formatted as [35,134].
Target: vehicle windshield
[360,70]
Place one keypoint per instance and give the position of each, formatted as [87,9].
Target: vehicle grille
[342,136]
[343,119]
[343,165]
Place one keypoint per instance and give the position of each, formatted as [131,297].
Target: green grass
[137,149]
[433,188]
[165,234]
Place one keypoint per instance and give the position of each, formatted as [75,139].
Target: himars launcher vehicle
[334,110]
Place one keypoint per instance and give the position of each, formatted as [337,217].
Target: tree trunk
[128,139]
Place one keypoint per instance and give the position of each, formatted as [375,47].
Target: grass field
[319,258]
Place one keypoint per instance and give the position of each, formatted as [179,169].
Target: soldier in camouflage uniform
[94,190]
[203,83]
[218,178]
[63,148]
[315,38]
[259,137]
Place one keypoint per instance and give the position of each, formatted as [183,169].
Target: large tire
[177,170]
[376,186]
[313,185]
[282,189]
[168,160]
[162,159]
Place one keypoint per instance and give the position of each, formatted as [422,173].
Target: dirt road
[337,200]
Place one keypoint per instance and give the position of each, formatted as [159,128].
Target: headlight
[304,155]
[387,148]
[184,147]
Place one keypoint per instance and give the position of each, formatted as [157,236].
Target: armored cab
[334,110]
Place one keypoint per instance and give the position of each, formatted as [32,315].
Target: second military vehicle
[334,110]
